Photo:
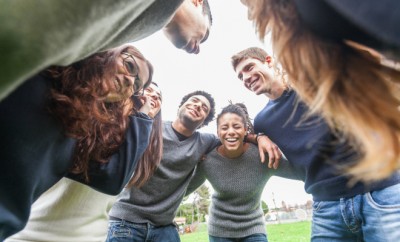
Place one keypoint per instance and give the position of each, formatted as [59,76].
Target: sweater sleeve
[111,177]
[287,170]
[198,178]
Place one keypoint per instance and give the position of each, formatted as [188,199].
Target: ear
[268,60]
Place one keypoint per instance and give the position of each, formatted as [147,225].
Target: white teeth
[231,139]
[117,86]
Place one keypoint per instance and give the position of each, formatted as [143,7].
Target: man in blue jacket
[343,211]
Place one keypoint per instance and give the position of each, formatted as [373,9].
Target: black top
[35,154]
[369,22]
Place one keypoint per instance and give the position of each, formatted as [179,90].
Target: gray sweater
[238,184]
[158,200]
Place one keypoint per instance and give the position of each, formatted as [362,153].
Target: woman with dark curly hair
[77,121]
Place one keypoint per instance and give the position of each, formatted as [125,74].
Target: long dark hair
[151,158]
[75,100]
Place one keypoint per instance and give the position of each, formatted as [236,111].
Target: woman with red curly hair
[77,121]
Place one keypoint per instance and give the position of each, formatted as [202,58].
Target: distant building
[180,220]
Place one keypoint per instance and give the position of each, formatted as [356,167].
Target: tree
[201,201]
[264,207]
[197,207]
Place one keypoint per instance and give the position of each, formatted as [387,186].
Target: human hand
[265,145]
[146,105]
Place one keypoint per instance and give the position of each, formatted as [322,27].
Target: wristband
[258,135]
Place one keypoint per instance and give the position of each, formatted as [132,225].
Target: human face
[129,80]
[194,111]
[189,27]
[231,131]
[256,76]
[154,94]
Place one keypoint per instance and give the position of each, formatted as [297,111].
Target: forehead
[246,61]
[154,88]
[230,117]
[202,99]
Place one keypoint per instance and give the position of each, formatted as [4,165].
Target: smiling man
[148,212]
[190,25]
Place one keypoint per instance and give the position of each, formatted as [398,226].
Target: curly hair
[75,100]
[210,99]
[239,109]
[349,87]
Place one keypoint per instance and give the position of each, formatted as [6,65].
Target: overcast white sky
[179,73]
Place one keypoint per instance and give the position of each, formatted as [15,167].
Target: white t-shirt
[68,211]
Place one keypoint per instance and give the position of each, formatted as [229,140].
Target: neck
[276,92]
[180,128]
[232,153]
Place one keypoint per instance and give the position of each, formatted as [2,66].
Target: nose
[246,79]
[129,81]
[231,131]
[196,106]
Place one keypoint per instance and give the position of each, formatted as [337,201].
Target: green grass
[289,232]
[285,232]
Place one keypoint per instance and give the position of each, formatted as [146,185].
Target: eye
[130,64]
[249,67]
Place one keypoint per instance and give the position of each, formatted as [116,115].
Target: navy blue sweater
[35,154]
[312,148]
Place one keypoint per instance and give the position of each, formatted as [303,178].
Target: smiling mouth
[253,84]
[117,85]
[194,112]
[231,140]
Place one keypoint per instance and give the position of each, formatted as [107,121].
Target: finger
[143,99]
[277,153]
[262,155]
[276,164]
[271,158]
[270,163]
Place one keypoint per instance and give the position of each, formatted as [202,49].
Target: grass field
[285,232]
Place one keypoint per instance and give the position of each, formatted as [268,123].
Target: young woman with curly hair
[72,211]
[77,121]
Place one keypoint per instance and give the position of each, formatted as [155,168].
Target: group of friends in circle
[87,156]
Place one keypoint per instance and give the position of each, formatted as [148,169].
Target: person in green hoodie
[37,34]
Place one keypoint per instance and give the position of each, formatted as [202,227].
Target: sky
[178,73]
